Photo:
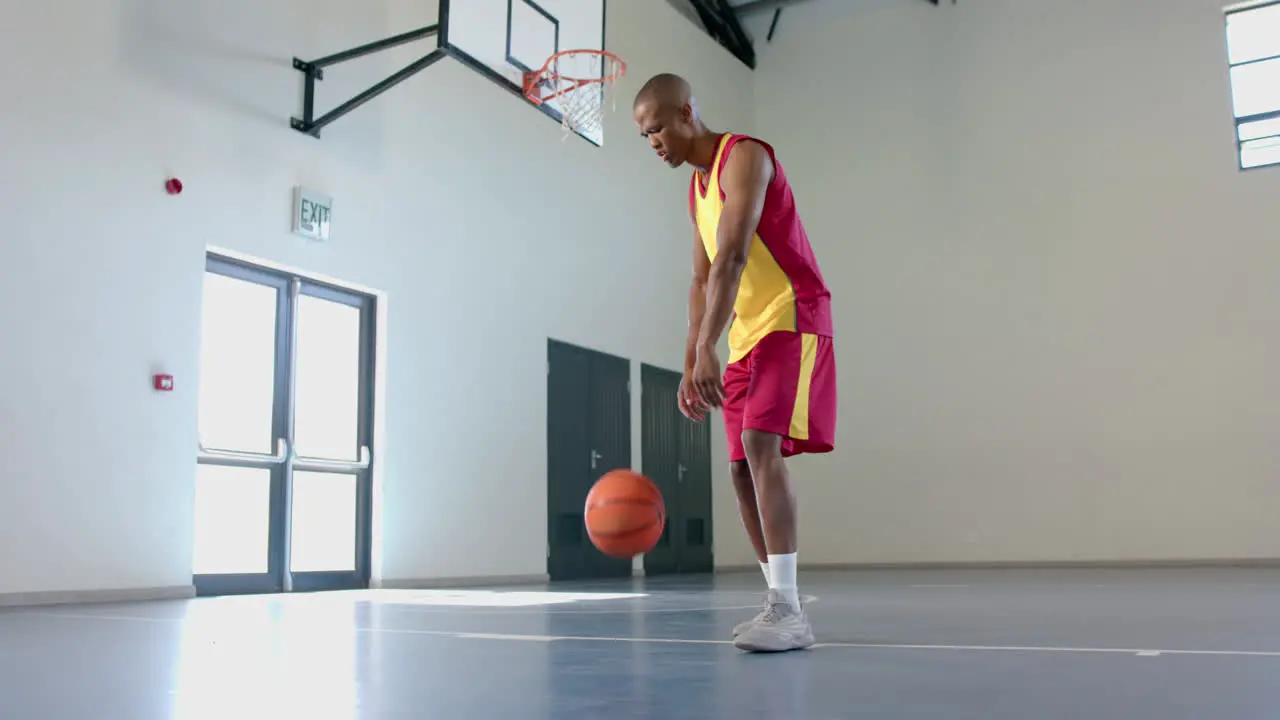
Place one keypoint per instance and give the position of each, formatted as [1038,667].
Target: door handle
[680,473]
[594,457]
[322,464]
[251,459]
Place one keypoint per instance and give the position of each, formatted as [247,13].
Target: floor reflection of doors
[283,479]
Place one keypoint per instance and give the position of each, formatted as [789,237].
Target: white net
[576,83]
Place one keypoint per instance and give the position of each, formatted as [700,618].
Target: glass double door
[283,480]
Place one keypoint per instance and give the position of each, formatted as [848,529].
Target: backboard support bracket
[313,71]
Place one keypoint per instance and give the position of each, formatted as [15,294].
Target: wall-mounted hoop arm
[313,70]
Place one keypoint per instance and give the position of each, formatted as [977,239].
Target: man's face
[668,130]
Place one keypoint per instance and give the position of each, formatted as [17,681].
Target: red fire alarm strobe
[164,383]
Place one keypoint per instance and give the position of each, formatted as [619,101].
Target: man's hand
[705,377]
[687,398]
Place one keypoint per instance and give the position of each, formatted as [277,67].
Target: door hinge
[548,549]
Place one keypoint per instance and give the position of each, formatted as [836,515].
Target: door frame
[285,461]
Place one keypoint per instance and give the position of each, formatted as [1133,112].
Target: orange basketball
[625,514]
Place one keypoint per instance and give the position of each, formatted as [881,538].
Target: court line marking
[429,609]
[550,609]
[1041,649]
[92,616]
[568,609]
[518,637]
[846,645]
[471,611]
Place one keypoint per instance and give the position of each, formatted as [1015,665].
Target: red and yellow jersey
[781,286]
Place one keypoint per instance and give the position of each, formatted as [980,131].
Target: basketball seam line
[625,501]
[614,535]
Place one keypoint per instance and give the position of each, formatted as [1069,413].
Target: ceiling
[741,25]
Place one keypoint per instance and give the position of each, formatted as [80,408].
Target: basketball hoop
[577,81]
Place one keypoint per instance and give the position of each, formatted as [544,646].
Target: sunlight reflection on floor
[441,597]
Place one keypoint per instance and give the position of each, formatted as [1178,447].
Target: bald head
[667,115]
[665,91]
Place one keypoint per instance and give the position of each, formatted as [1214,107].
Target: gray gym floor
[987,645]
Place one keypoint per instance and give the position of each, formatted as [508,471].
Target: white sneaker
[781,628]
[747,625]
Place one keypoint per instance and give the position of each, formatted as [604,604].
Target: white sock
[782,578]
[764,567]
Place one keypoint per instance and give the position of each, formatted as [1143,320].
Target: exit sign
[312,214]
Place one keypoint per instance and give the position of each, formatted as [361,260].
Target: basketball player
[751,260]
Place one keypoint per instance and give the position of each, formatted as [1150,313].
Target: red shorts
[786,385]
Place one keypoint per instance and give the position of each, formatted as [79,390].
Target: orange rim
[536,78]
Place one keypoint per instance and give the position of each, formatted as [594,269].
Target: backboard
[503,39]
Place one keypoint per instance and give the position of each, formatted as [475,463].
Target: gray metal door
[677,457]
[695,545]
[660,420]
[588,434]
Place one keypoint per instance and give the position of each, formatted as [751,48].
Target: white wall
[1055,313]
[1056,301]
[443,191]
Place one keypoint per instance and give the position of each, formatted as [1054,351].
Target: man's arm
[745,180]
[697,297]
[687,398]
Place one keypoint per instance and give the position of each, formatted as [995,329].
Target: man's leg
[749,511]
[784,626]
[789,372]
[777,510]
[737,380]
[745,488]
